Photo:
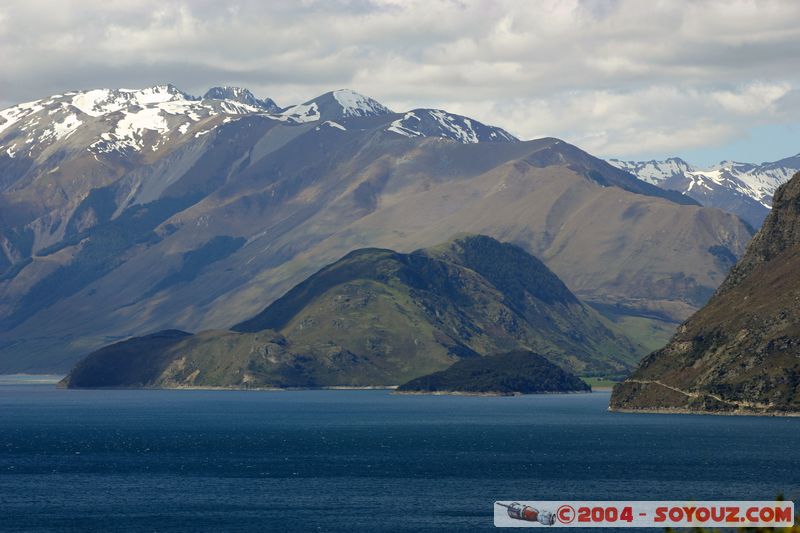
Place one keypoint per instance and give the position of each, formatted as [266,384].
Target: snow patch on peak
[65,128]
[655,172]
[460,127]
[149,118]
[331,124]
[12,115]
[398,126]
[714,175]
[130,131]
[98,102]
[89,101]
[438,123]
[358,105]
[302,112]
[156,95]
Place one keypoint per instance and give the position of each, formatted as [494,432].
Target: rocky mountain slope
[124,212]
[742,188]
[741,352]
[378,317]
[509,373]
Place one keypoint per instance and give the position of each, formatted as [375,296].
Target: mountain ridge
[745,189]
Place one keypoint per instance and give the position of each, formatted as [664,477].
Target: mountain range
[745,189]
[380,318]
[124,212]
[741,352]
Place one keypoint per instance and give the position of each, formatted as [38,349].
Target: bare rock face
[741,352]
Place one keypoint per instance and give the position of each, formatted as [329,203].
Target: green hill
[377,318]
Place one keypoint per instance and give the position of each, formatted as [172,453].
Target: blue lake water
[357,460]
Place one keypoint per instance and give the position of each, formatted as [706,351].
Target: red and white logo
[712,514]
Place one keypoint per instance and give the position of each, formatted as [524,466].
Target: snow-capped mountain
[742,188]
[104,121]
[80,141]
[124,121]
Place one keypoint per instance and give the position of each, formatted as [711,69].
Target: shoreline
[254,389]
[392,388]
[684,411]
[485,394]
[23,378]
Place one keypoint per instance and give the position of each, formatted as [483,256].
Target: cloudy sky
[707,80]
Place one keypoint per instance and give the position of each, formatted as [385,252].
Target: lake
[159,460]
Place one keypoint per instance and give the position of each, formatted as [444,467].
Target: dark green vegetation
[600,383]
[131,362]
[519,372]
[741,352]
[378,318]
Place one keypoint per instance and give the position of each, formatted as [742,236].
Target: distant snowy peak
[99,102]
[345,104]
[117,120]
[243,96]
[438,123]
[742,188]
[655,172]
[756,181]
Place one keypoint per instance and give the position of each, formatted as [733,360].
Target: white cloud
[617,77]
[753,100]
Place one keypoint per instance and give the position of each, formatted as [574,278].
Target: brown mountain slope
[609,245]
[741,352]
